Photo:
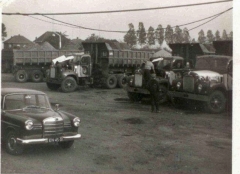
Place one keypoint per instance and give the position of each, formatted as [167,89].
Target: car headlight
[29,124]
[178,85]
[76,121]
[200,87]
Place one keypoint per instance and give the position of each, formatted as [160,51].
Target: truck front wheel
[69,84]
[216,102]
[21,76]
[135,96]
[53,86]
[122,81]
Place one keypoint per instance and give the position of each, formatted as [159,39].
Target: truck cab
[166,68]
[210,82]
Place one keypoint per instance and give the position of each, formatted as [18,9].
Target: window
[10,45]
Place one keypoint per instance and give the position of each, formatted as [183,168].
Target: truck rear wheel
[122,81]
[216,102]
[53,86]
[69,84]
[21,76]
[37,76]
[111,82]
[163,97]
[135,96]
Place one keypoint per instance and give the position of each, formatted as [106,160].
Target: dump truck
[30,65]
[167,68]
[102,64]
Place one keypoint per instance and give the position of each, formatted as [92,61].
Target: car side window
[13,102]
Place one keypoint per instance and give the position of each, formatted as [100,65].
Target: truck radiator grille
[188,83]
[52,127]
[52,73]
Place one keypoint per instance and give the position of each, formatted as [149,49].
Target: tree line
[170,35]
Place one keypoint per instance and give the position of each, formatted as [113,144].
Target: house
[74,44]
[16,42]
[56,39]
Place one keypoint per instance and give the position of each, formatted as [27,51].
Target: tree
[4,33]
[185,36]
[130,38]
[94,37]
[210,36]
[201,37]
[150,36]
[169,34]
[224,35]
[177,36]
[141,33]
[159,34]
[217,36]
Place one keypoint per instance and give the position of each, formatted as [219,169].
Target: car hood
[37,114]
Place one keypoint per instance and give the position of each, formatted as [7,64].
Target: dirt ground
[123,137]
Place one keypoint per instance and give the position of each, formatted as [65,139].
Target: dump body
[32,65]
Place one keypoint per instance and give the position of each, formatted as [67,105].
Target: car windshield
[217,65]
[20,101]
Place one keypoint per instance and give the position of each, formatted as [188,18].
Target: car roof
[6,91]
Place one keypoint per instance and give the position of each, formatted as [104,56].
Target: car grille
[52,127]
[188,83]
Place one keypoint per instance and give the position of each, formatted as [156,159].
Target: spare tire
[21,76]
[122,81]
[36,76]
[111,81]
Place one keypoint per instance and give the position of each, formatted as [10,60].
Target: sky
[31,27]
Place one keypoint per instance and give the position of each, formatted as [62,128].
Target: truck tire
[21,76]
[37,76]
[53,86]
[134,97]
[111,82]
[122,81]
[216,102]
[69,84]
[163,97]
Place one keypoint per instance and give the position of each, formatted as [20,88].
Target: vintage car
[27,118]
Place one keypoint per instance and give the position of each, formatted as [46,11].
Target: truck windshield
[20,101]
[217,65]
[162,64]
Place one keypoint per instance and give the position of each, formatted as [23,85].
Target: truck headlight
[178,85]
[76,121]
[199,87]
[29,124]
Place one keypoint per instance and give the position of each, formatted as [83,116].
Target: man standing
[153,87]
[148,70]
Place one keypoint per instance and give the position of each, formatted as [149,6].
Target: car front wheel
[11,145]
[66,144]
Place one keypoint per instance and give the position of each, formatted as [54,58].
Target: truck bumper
[47,140]
[136,90]
[188,95]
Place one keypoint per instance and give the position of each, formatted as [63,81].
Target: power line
[120,11]
[77,26]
